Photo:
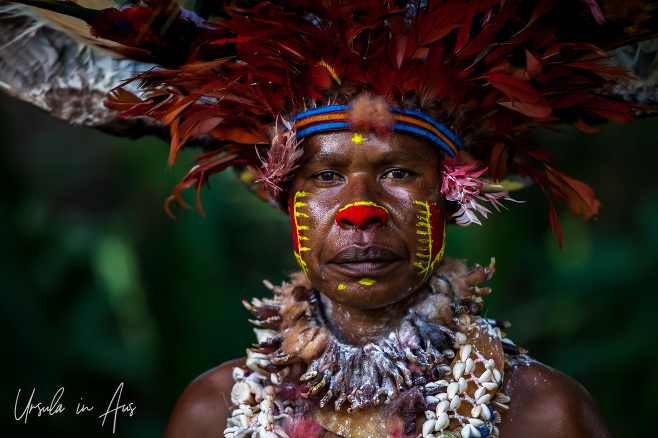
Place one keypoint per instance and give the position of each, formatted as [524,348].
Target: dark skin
[392,173]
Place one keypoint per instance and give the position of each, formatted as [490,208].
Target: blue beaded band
[423,133]
[332,126]
[334,117]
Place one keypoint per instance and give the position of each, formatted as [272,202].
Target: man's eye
[397,174]
[327,176]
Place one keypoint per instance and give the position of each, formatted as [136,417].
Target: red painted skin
[438,224]
[293,223]
[363,216]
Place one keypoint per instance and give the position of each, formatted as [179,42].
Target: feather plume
[489,70]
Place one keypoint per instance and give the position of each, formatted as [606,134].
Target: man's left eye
[397,174]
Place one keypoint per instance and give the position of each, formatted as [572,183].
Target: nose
[362,215]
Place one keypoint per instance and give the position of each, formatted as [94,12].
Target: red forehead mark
[297,238]
[362,215]
[431,229]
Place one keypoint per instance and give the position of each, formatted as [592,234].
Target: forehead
[345,147]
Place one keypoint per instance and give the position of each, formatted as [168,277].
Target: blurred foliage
[98,286]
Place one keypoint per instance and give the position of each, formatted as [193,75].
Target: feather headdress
[486,70]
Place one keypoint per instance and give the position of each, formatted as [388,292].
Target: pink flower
[462,184]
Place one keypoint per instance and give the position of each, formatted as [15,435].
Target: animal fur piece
[370,112]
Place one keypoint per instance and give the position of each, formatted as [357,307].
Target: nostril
[376,221]
[345,224]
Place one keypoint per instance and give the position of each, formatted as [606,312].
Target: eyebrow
[333,158]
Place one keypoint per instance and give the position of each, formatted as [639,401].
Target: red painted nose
[362,215]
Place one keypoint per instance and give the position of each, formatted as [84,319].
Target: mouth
[369,261]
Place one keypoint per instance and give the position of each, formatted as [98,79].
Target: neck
[361,326]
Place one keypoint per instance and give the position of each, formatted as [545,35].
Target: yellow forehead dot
[367,281]
[341,286]
[358,138]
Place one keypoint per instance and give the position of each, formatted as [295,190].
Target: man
[393,172]
[403,102]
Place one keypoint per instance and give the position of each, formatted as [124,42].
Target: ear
[448,208]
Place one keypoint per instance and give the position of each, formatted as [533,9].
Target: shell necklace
[436,375]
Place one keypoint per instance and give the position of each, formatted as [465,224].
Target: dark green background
[98,286]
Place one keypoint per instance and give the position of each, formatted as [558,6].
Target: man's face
[390,229]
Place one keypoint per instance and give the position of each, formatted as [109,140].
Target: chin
[367,296]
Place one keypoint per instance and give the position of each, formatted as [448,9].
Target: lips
[356,261]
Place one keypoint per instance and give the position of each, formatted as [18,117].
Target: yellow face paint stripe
[372,204]
[426,264]
[300,239]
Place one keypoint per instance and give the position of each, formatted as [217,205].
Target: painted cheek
[300,242]
[431,237]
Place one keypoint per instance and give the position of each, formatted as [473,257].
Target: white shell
[238,373]
[476,411]
[431,399]
[448,353]
[479,393]
[442,396]
[455,402]
[469,365]
[243,421]
[502,406]
[442,421]
[490,364]
[466,431]
[442,407]
[502,398]
[444,368]
[264,418]
[486,376]
[475,422]
[463,385]
[495,432]
[490,385]
[452,389]
[462,338]
[474,432]
[279,431]
[269,391]
[465,352]
[458,369]
[432,385]
[256,389]
[484,399]
[430,415]
[486,413]
[241,393]
[497,376]
[428,427]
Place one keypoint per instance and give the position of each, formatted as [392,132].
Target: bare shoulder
[547,403]
[203,407]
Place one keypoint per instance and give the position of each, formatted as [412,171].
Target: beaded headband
[336,117]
